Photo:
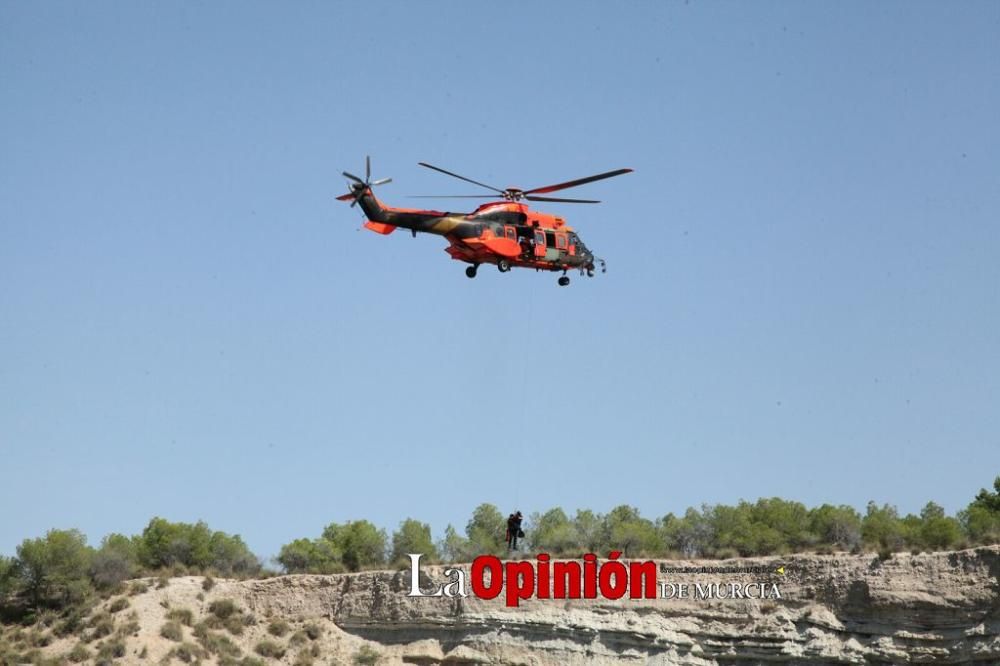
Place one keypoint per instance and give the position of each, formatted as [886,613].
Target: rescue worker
[513,530]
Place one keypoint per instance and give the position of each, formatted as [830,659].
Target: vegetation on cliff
[60,571]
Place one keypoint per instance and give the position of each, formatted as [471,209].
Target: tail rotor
[359,187]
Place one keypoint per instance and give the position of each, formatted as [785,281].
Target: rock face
[940,608]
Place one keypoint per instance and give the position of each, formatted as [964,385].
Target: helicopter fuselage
[505,233]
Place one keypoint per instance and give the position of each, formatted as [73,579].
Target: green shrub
[78,654]
[218,644]
[112,649]
[269,649]
[278,628]
[119,604]
[208,583]
[129,628]
[70,624]
[102,625]
[303,658]
[234,624]
[138,587]
[298,638]
[367,655]
[313,631]
[188,652]
[172,631]
[183,615]
[222,608]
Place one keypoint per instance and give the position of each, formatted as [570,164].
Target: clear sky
[803,287]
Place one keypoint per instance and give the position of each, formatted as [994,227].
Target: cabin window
[539,239]
[511,233]
[561,241]
[550,239]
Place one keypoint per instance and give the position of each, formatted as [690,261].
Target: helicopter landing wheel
[590,272]
[563,281]
[503,265]
[470,272]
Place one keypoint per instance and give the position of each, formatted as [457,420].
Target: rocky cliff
[940,608]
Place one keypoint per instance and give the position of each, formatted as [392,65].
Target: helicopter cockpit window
[511,233]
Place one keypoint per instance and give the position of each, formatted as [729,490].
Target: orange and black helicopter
[505,233]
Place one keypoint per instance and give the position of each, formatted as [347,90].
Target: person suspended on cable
[514,530]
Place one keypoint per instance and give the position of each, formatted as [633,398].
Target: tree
[8,577]
[629,532]
[987,500]
[553,532]
[454,547]
[881,528]
[359,542]
[413,537]
[54,569]
[115,561]
[981,524]
[938,531]
[731,526]
[589,530]
[780,525]
[692,535]
[317,556]
[486,530]
[229,555]
[838,526]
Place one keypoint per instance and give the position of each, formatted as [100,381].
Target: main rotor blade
[580,181]
[455,196]
[353,177]
[534,198]
[455,175]
[368,168]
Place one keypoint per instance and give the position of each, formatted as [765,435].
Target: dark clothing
[513,531]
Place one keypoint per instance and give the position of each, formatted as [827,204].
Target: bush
[208,583]
[172,631]
[115,562]
[367,655]
[310,556]
[112,649]
[165,544]
[234,624]
[183,615]
[102,625]
[78,654]
[223,608]
[313,631]
[269,649]
[278,628]
[218,644]
[118,605]
[188,652]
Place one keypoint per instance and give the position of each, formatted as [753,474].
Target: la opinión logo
[546,578]
[543,579]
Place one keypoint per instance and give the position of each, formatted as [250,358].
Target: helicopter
[505,233]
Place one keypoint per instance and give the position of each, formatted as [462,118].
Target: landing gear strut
[563,281]
[470,271]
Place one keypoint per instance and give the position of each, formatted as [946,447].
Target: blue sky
[802,295]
